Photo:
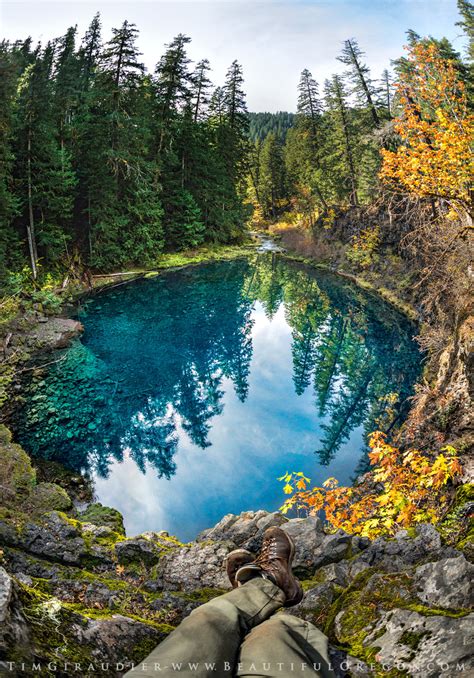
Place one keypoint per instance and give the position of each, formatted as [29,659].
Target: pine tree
[359,74]
[66,87]
[125,210]
[342,137]
[173,81]
[9,241]
[89,52]
[387,92]
[271,185]
[466,10]
[200,89]
[43,170]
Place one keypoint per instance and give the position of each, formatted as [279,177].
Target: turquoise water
[190,393]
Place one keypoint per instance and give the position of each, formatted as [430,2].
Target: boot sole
[230,575]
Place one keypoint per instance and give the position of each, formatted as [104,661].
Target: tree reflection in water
[156,353]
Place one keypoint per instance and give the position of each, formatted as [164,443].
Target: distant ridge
[263,123]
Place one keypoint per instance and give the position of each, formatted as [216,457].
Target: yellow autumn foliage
[403,489]
[436,129]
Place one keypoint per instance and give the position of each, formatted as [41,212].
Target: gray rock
[56,539]
[446,583]
[315,603]
[137,550]
[6,587]
[147,548]
[195,567]
[245,530]
[396,554]
[333,548]
[335,573]
[14,632]
[114,640]
[424,647]
[308,535]
[24,579]
[356,568]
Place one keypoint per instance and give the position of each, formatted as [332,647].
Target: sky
[274,40]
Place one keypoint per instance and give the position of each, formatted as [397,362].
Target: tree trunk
[30,228]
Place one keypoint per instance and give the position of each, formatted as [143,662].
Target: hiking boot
[235,560]
[274,563]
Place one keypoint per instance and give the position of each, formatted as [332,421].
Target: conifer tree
[342,137]
[200,89]
[43,170]
[359,74]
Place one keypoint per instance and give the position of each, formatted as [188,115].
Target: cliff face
[75,589]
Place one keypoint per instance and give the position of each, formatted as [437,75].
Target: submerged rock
[53,333]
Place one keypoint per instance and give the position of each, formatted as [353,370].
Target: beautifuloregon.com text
[224,667]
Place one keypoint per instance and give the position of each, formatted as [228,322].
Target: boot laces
[268,552]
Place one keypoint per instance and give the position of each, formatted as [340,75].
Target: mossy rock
[103,516]
[355,613]
[49,497]
[5,435]
[17,476]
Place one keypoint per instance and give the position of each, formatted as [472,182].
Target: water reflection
[252,361]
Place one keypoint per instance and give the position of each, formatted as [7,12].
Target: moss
[143,648]
[435,611]
[49,497]
[464,494]
[204,595]
[319,578]
[103,516]
[361,607]
[457,528]
[17,476]
[412,639]
[5,435]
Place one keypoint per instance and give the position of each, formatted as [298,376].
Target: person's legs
[212,633]
[284,646]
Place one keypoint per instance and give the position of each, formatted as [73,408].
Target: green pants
[238,634]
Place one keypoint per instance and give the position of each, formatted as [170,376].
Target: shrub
[404,488]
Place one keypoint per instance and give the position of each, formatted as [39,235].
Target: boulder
[6,588]
[245,530]
[194,567]
[332,548]
[54,333]
[315,604]
[147,548]
[14,632]
[55,539]
[103,516]
[335,573]
[427,647]
[404,551]
[17,476]
[446,583]
[49,497]
[308,535]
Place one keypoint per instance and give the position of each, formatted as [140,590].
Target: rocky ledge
[74,589]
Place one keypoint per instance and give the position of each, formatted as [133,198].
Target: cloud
[274,40]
